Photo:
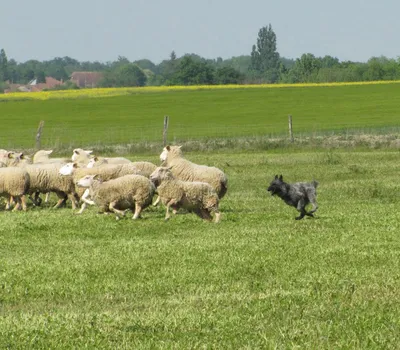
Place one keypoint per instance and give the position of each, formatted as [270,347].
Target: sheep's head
[86,181]
[168,151]
[68,168]
[80,152]
[160,174]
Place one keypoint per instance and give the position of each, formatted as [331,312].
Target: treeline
[263,65]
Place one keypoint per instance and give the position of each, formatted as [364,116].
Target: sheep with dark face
[197,197]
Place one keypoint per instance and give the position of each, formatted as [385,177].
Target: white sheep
[14,182]
[197,197]
[134,192]
[82,156]
[42,156]
[105,172]
[185,170]
[145,168]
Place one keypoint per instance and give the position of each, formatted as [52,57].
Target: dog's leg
[301,208]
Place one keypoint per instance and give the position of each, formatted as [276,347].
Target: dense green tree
[124,75]
[228,75]
[3,66]
[265,60]
[193,72]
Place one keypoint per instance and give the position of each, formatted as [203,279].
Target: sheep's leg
[46,200]
[62,199]
[37,200]
[157,201]
[217,216]
[8,203]
[167,214]
[85,201]
[138,209]
[116,211]
[23,203]
[17,200]
[73,200]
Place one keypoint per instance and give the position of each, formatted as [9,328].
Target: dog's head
[277,185]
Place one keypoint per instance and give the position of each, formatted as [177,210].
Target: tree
[3,66]
[265,60]
[193,72]
[124,75]
[228,75]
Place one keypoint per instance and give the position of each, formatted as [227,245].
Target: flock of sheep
[113,184]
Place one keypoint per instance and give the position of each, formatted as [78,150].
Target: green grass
[205,114]
[259,279]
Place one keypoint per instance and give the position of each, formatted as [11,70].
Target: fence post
[165,131]
[291,129]
[39,135]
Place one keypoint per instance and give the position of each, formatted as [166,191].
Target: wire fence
[247,136]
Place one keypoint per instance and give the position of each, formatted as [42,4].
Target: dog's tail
[315,183]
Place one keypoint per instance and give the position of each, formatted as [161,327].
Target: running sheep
[134,192]
[82,157]
[145,168]
[197,197]
[185,170]
[14,182]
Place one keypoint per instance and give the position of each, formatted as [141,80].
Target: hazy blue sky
[103,29]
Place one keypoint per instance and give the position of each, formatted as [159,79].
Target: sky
[102,30]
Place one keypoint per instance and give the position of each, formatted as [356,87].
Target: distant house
[34,86]
[86,79]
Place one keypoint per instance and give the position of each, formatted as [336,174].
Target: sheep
[185,170]
[42,156]
[16,159]
[45,178]
[134,192]
[145,168]
[197,197]
[14,182]
[105,172]
[83,157]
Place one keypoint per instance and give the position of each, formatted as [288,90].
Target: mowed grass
[202,114]
[259,279]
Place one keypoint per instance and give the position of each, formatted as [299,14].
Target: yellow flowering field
[110,92]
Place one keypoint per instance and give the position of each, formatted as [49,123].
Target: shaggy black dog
[297,195]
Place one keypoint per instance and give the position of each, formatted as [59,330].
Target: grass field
[257,280]
[199,114]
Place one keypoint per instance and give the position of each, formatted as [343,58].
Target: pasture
[259,279]
[206,114]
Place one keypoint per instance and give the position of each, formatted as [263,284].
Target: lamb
[185,170]
[197,197]
[14,182]
[82,156]
[42,156]
[134,192]
[145,168]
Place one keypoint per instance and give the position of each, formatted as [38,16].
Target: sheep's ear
[95,159]
[49,151]
[168,148]
[169,168]
[281,178]
[76,151]
[75,165]
[95,176]
[89,152]
[180,146]
[10,155]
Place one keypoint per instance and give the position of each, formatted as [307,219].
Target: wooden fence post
[291,129]
[39,135]
[165,131]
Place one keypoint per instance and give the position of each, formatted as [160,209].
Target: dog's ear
[276,177]
[281,178]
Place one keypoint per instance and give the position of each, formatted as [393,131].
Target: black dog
[297,195]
